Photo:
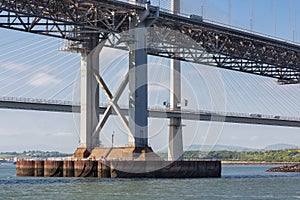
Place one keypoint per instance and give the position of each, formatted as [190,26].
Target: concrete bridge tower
[137,123]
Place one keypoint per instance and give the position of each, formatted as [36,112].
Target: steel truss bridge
[201,115]
[201,41]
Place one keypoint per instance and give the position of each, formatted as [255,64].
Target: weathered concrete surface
[53,168]
[85,168]
[38,168]
[81,152]
[25,168]
[287,168]
[104,169]
[119,169]
[124,153]
[165,169]
[68,168]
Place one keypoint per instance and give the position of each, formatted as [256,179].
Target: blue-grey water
[237,182]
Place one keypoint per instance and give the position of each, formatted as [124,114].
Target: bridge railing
[32,100]
[251,32]
[154,108]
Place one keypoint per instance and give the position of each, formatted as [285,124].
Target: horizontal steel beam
[153,113]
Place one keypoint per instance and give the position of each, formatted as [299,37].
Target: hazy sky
[31,66]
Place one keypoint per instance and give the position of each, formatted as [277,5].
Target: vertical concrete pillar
[89,93]
[138,86]
[175,150]
[138,91]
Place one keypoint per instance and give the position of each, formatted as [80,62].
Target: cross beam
[113,105]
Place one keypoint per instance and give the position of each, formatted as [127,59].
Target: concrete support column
[175,6]
[89,93]
[138,84]
[175,150]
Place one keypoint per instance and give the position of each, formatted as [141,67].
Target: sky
[33,67]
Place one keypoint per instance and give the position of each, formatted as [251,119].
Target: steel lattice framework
[200,41]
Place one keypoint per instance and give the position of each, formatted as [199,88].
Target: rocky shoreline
[286,168]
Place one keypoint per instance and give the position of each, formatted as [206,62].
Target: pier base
[124,153]
[85,168]
[53,168]
[120,168]
[81,152]
[119,162]
[165,169]
[38,168]
[68,168]
[25,168]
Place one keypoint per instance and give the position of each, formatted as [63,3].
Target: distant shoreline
[257,163]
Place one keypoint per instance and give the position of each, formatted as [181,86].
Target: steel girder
[237,50]
[66,19]
[200,41]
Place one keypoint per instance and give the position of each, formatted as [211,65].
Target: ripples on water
[237,182]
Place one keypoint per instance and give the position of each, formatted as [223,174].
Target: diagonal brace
[113,102]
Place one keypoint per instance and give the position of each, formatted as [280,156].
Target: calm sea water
[237,182]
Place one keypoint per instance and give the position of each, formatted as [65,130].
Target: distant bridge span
[241,118]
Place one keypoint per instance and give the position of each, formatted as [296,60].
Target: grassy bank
[288,156]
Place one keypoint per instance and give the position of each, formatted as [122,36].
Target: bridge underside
[216,45]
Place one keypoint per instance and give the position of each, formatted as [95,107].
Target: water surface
[237,182]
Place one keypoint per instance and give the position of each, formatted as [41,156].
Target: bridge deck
[241,118]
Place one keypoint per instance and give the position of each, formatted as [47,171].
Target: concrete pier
[103,169]
[165,169]
[25,168]
[85,168]
[124,153]
[53,168]
[68,168]
[119,168]
[38,168]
